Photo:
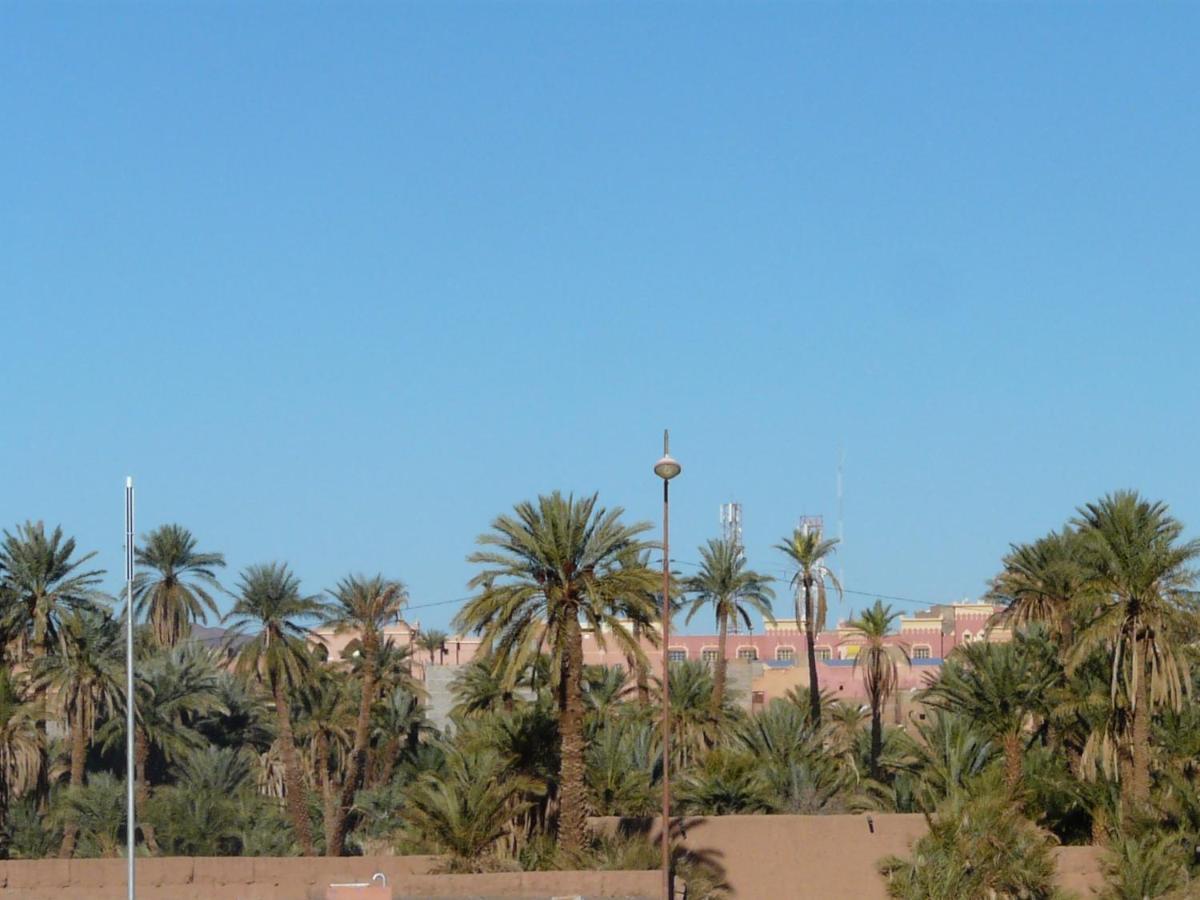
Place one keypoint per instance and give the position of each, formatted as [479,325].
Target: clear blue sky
[339,283]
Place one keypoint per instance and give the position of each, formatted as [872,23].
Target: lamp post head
[667,467]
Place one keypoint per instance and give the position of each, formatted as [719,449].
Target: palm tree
[364,606]
[174,690]
[551,565]
[1042,583]
[880,667]
[432,642]
[86,680]
[277,656]
[398,725]
[328,728]
[1137,564]
[978,845]
[622,767]
[733,591]
[794,757]
[808,551]
[41,583]
[20,742]
[999,689]
[175,594]
[465,811]
[725,783]
[695,722]
[641,611]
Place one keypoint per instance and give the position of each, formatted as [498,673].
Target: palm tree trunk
[876,736]
[321,762]
[718,695]
[642,671]
[42,787]
[358,756]
[78,760]
[572,820]
[1012,760]
[141,796]
[810,636]
[297,808]
[1139,782]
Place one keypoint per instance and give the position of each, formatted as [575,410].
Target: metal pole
[130,773]
[666,693]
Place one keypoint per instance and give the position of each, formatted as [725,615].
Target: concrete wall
[245,878]
[824,857]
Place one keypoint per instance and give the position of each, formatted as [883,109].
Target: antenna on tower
[811,524]
[841,519]
[731,523]
[731,532]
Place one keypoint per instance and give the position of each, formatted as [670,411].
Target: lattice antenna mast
[811,524]
[731,523]
[731,531]
[841,556]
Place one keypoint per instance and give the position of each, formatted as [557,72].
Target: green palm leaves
[41,581]
[174,586]
[547,571]
[733,591]
[808,551]
[270,600]
[879,664]
[1139,571]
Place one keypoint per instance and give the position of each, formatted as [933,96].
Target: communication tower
[731,531]
[810,524]
[731,523]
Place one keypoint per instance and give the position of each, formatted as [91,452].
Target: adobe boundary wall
[262,878]
[826,857]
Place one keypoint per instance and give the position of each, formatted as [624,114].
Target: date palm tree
[1139,566]
[1000,689]
[642,612]
[364,606]
[174,587]
[277,657]
[466,810]
[327,727]
[548,569]
[86,680]
[880,664]
[432,642]
[1042,583]
[733,591]
[21,744]
[174,689]
[808,551]
[42,581]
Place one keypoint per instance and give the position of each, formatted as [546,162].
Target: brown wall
[245,878]
[826,857]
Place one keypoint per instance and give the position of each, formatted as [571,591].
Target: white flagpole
[131,829]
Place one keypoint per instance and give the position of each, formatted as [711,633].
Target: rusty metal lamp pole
[666,469]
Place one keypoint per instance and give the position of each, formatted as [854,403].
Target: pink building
[774,658]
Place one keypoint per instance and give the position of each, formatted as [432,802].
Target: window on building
[709,654]
[747,653]
[677,654]
[920,653]
[824,653]
[785,654]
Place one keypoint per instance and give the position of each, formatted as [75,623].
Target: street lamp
[666,469]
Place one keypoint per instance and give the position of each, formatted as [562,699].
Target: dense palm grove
[1082,729]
